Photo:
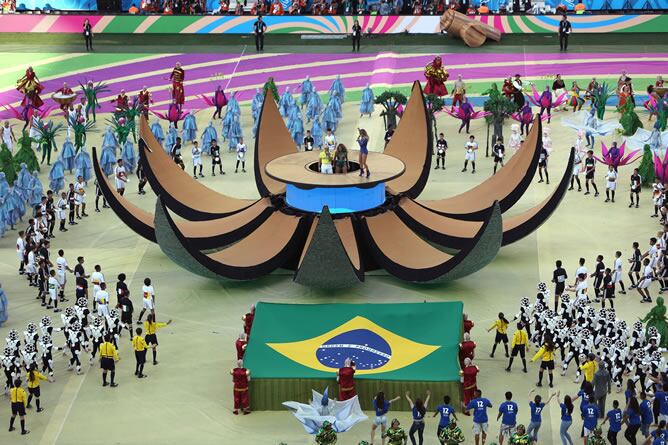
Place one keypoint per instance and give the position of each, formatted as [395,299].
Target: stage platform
[294,348]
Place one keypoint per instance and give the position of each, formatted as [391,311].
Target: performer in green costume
[395,434]
[452,434]
[520,437]
[597,437]
[657,318]
[91,91]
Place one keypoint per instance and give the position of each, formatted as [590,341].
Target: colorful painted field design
[211,24]
[382,71]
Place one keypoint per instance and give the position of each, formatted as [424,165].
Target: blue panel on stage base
[338,199]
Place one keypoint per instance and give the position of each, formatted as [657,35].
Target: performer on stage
[436,76]
[518,95]
[31,87]
[458,92]
[564,32]
[122,102]
[219,101]
[65,90]
[177,77]
[144,99]
[345,377]
[507,87]
[240,378]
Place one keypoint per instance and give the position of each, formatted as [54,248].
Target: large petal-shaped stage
[425,241]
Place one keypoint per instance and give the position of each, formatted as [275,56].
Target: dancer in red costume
[240,379]
[469,379]
[30,86]
[436,76]
[345,377]
[177,77]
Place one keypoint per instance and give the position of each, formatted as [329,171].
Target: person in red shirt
[240,378]
[65,90]
[345,377]
[177,77]
[466,349]
[468,324]
[248,320]
[241,344]
[469,379]
[145,100]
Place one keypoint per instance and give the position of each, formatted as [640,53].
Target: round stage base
[338,199]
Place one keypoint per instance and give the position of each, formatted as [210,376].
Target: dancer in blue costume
[189,132]
[337,87]
[366,105]
[335,103]
[57,176]
[107,160]
[4,185]
[317,132]
[172,134]
[285,102]
[4,304]
[329,118]
[227,124]
[314,107]
[17,206]
[3,229]
[209,134]
[37,190]
[83,164]
[67,154]
[235,134]
[256,104]
[307,90]
[297,131]
[109,140]
[128,156]
[233,105]
[23,183]
[156,129]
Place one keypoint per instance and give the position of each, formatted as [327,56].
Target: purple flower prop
[661,167]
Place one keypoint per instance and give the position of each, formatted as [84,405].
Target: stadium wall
[214,24]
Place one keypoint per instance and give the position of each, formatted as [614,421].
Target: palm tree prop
[392,102]
[601,96]
[499,107]
[7,164]
[629,120]
[26,154]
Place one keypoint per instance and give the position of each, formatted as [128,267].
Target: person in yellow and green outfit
[326,434]
[451,435]
[597,437]
[520,437]
[395,434]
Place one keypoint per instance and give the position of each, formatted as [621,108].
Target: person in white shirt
[471,146]
[330,140]
[31,266]
[61,270]
[645,281]
[21,250]
[54,290]
[611,184]
[61,208]
[97,278]
[617,275]
[8,137]
[575,174]
[241,156]
[148,300]
[80,197]
[102,298]
[197,160]
[121,177]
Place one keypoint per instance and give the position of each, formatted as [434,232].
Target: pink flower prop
[618,159]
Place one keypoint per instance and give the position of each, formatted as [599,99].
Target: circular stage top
[295,169]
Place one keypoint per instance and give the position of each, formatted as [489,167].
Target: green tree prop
[500,106]
[25,154]
[390,101]
[271,86]
[646,167]
[7,164]
[601,96]
[629,120]
[434,105]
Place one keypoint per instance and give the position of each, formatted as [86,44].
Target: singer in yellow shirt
[546,354]
[140,347]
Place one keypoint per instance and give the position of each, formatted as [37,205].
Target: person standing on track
[259,28]
[356,35]
[564,32]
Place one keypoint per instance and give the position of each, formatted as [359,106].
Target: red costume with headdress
[436,76]
[177,77]
[30,86]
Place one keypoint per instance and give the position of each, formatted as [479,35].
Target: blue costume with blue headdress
[337,87]
[285,102]
[209,134]
[109,140]
[37,190]
[235,134]
[57,175]
[128,156]
[314,106]
[366,105]
[317,132]
[83,164]
[172,134]
[189,132]
[67,154]
[156,129]
[307,90]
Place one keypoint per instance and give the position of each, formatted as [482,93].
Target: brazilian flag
[397,342]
